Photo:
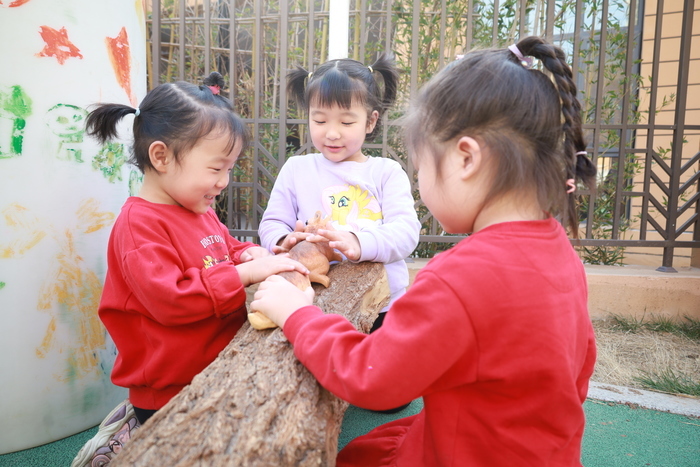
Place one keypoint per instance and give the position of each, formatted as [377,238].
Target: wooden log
[256,405]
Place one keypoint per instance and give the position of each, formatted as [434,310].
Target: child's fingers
[292,265]
[278,250]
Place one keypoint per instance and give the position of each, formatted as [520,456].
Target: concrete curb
[683,405]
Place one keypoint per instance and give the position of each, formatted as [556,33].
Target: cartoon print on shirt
[217,249]
[351,207]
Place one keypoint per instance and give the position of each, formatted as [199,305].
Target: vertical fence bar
[258,34]
[678,132]
[155,43]
[651,122]
[282,33]
[311,35]
[363,31]
[207,37]
[470,25]
[181,42]
[232,51]
[622,145]
[494,31]
[549,33]
[522,6]
[443,21]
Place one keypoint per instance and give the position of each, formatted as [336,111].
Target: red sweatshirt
[172,298]
[494,334]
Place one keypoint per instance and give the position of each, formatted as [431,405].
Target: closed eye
[318,122]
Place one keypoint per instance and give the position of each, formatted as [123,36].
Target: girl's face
[339,133]
[201,174]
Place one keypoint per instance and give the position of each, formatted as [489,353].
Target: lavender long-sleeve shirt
[372,199]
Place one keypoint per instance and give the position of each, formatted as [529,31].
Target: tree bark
[256,405]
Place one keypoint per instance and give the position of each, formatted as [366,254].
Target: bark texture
[256,405]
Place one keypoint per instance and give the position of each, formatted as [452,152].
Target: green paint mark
[109,161]
[135,182]
[68,123]
[15,107]
[2,285]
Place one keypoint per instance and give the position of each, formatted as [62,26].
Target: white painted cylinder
[338,28]
[60,193]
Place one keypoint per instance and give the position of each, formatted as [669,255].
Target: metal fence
[636,113]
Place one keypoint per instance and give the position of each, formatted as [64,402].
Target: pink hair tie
[581,153]
[570,185]
[524,61]
[214,89]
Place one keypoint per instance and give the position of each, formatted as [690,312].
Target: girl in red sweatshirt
[494,334]
[174,295]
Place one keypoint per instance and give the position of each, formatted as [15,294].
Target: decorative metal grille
[636,118]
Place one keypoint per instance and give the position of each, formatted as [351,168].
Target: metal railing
[635,116]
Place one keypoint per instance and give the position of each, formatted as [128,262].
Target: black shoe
[394,410]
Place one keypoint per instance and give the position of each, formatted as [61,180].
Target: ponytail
[578,165]
[390,75]
[102,121]
[296,86]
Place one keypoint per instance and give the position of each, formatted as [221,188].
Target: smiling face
[199,177]
[339,133]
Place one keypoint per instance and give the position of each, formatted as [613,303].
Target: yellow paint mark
[48,340]
[27,233]
[75,291]
[90,219]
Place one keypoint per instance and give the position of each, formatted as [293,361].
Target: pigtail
[102,121]
[578,165]
[386,67]
[296,85]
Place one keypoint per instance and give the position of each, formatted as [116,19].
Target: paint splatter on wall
[15,3]
[67,122]
[25,231]
[110,161]
[57,44]
[68,283]
[120,56]
[15,107]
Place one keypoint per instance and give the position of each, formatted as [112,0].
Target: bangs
[336,88]
[218,120]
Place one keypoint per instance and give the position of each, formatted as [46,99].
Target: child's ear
[372,121]
[470,154]
[159,155]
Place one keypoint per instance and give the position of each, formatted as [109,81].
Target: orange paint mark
[77,292]
[58,45]
[90,219]
[47,342]
[27,235]
[119,55]
[17,3]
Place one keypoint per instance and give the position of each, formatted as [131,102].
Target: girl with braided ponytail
[494,333]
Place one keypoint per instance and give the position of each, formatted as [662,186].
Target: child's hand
[259,269]
[254,252]
[345,242]
[278,298]
[291,239]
